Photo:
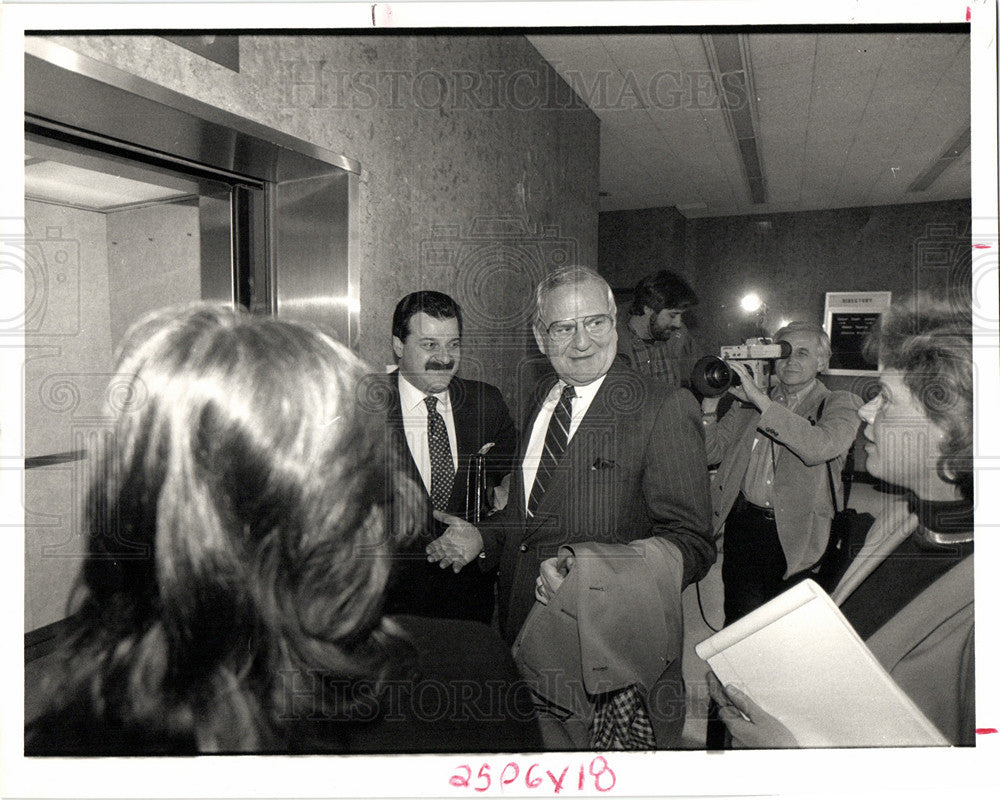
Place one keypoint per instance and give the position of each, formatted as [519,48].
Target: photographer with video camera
[771,492]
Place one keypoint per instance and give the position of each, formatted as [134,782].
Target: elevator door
[138,197]
[109,237]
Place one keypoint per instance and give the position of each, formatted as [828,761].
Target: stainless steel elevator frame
[299,201]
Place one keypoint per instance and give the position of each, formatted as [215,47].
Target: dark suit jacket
[463,696]
[480,705]
[635,468]
[481,416]
[928,646]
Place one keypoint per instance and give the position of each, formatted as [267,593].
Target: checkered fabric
[556,439]
[442,467]
[621,722]
[656,360]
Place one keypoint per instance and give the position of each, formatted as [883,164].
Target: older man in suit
[436,423]
[608,456]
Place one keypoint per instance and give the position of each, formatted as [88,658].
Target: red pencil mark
[986,730]
[981,246]
[557,784]
[968,14]
[386,15]
[604,779]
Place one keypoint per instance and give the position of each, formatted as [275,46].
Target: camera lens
[711,376]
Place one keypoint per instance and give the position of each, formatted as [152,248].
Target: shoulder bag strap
[848,468]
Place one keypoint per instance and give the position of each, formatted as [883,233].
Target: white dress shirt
[411,403]
[584,397]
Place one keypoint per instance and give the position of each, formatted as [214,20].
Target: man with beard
[436,423]
[654,338]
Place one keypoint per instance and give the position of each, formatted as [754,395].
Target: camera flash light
[751,302]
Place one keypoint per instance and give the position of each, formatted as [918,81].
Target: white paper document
[801,661]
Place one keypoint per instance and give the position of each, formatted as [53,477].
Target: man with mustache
[436,423]
[772,492]
[654,338]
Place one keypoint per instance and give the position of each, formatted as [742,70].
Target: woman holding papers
[909,591]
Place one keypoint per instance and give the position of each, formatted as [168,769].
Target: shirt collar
[411,399]
[585,393]
[792,399]
[635,335]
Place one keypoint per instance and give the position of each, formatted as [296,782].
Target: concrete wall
[478,173]
[793,260]
[632,244]
[153,257]
[802,256]
[67,365]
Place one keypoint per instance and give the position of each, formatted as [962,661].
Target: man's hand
[551,574]
[457,546]
[749,724]
[748,391]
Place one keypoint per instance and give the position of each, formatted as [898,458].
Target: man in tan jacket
[771,492]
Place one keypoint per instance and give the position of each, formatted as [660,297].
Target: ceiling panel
[953,178]
[651,52]
[780,58]
[921,59]
[66,184]
[843,118]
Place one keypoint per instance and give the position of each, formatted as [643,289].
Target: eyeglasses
[596,326]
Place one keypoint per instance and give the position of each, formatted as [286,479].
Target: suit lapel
[810,404]
[578,456]
[892,529]
[467,424]
[944,598]
[465,415]
[807,408]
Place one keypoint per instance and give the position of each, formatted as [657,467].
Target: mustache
[443,366]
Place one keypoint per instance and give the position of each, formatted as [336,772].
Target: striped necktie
[556,439]
[442,467]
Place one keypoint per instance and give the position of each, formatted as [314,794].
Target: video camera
[711,376]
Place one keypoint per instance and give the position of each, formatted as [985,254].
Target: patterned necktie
[556,439]
[442,467]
